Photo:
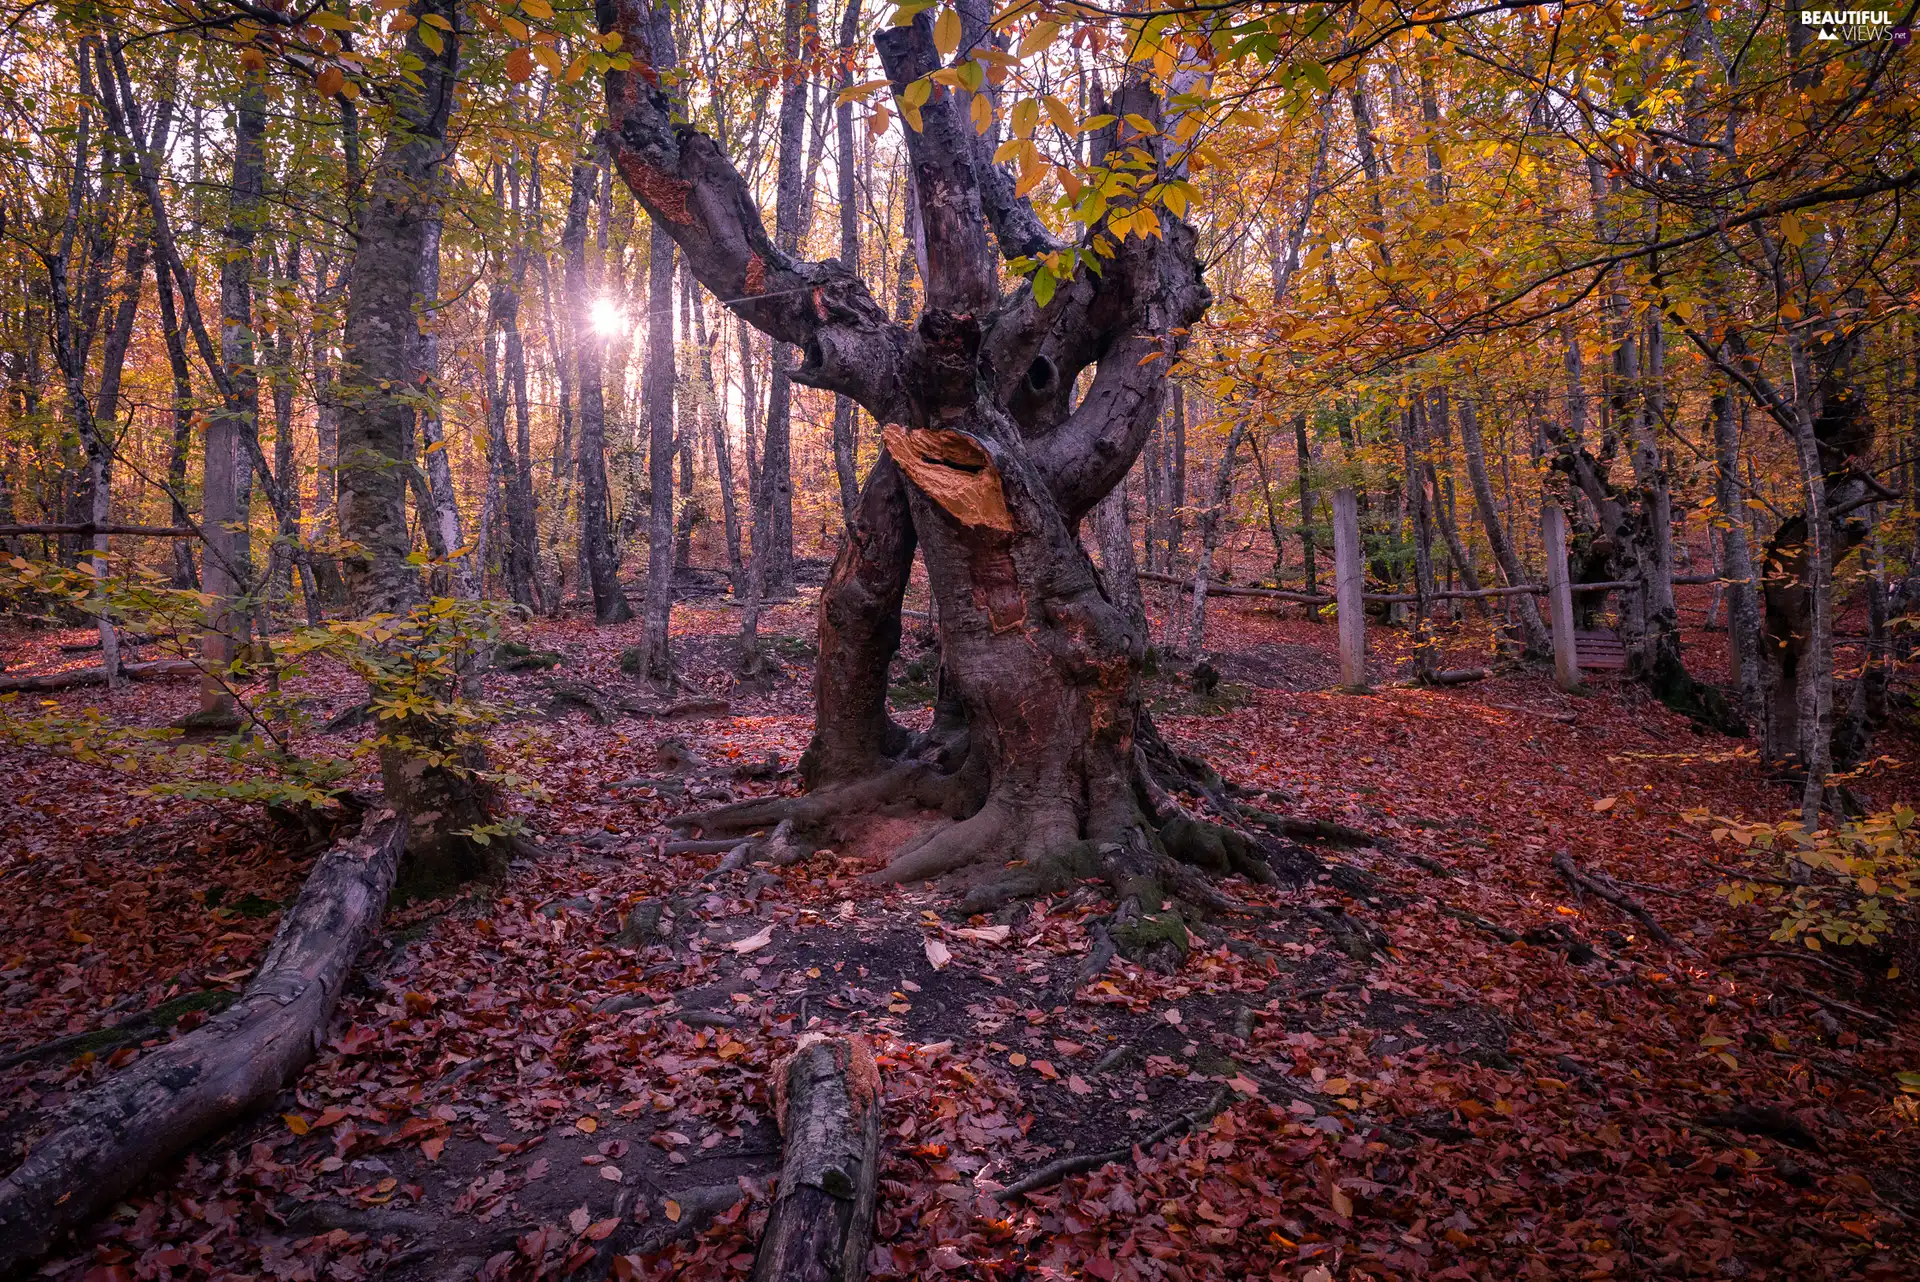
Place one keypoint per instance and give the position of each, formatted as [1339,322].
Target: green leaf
[1043,284]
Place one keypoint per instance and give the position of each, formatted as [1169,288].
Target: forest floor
[568,1074]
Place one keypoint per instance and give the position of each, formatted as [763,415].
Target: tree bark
[1039,751]
[106,1139]
[845,419]
[820,1226]
[225,489]
[1213,524]
[1533,629]
[657,391]
[455,577]
[589,347]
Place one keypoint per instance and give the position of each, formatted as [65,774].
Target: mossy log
[827,1096]
[103,1141]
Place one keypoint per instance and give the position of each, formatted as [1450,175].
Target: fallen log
[84,529]
[106,1139]
[151,670]
[827,1097]
[675,711]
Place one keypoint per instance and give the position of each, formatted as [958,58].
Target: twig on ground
[1603,886]
[1053,1172]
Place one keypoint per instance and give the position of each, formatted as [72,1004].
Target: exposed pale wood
[1566,661]
[1350,576]
[106,1139]
[1600,651]
[827,1096]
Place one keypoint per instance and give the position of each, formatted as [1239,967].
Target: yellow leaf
[673,1210]
[946,33]
[538,8]
[296,1123]
[332,21]
[1793,230]
[1038,37]
[982,113]
[586,1125]
[1061,116]
[548,57]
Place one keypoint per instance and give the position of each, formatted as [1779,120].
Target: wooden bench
[1600,651]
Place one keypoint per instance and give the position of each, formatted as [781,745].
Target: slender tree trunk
[225,489]
[1533,630]
[185,575]
[1743,611]
[1213,527]
[657,391]
[791,210]
[1113,530]
[609,603]
[845,416]
[712,407]
[1307,542]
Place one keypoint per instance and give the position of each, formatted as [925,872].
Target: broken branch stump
[827,1097]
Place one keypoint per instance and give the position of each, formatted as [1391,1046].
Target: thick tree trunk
[657,391]
[603,569]
[1113,530]
[1039,749]
[105,1140]
[821,1223]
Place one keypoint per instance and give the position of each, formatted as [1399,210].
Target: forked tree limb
[106,1139]
[828,1097]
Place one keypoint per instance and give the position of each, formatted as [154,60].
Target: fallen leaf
[938,954]
[985,934]
[296,1123]
[577,1221]
[433,1147]
[1604,804]
[752,943]
[1017,1060]
[1244,1084]
[587,1125]
[1173,1015]
[601,1230]
[1046,1070]
[1078,1085]
[673,1210]
[611,1174]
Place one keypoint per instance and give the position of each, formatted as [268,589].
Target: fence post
[1349,589]
[1566,662]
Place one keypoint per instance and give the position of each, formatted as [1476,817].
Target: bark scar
[658,188]
[951,469]
[756,280]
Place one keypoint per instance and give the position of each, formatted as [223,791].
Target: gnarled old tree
[1040,754]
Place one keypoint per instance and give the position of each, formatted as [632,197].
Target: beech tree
[1040,752]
